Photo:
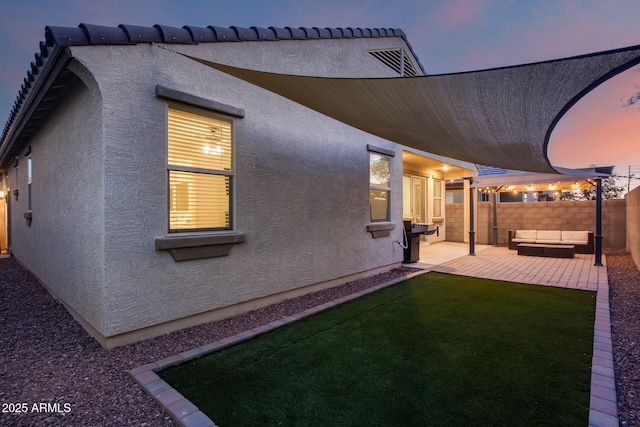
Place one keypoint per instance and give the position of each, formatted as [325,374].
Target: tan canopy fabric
[501,117]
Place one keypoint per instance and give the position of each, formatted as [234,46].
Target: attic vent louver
[396,59]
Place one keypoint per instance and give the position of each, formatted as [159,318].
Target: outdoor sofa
[582,240]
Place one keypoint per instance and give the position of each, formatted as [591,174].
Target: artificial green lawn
[434,350]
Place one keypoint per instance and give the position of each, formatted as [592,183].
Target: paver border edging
[603,407]
[185,413]
[603,404]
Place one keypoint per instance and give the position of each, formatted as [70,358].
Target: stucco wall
[560,215]
[633,224]
[301,180]
[63,245]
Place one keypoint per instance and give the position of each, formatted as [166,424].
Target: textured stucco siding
[302,180]
[63,246]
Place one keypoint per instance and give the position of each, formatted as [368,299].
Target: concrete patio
[500,263]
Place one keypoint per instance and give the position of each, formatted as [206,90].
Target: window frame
[380,229]
[230,174]
[29,182]
[377,187]
[437,198]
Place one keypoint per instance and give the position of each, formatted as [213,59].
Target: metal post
[495,217]
[472,231]
[598,236]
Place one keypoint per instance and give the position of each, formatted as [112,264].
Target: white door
[414,198]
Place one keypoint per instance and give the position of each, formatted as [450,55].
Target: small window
[437,198]
[379,186]
[29,179]
[455,196]
[200,169]
[17,180]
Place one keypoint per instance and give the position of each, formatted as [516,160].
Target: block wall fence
[633,224]
[559,215]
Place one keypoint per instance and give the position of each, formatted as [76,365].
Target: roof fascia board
[56,62]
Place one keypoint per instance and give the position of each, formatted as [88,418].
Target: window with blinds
[437,198]
[200,167]
[379,187]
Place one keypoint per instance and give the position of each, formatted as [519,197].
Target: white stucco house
[149,192]
[154,178]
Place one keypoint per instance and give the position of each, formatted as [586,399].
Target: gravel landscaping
[624,300]
[47,359]
[53,373]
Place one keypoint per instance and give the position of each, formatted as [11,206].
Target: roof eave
[52,68]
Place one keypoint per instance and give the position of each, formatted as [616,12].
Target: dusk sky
[447,35]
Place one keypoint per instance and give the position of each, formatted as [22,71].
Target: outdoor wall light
[2,194]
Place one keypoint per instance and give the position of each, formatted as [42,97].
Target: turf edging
[517,360]
[181,409]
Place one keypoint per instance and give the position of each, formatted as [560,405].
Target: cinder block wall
[484,226]
[455,222]
[561,215]
[633,224]
[614,218]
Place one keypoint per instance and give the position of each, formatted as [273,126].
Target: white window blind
[200,160]
[29,179]
[437,198]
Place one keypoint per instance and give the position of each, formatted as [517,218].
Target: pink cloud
[453,14]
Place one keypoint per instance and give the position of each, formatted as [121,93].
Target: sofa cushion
[525,235]
[573,242]
[549,235]
[575,236]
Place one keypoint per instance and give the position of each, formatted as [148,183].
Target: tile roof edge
[91,35]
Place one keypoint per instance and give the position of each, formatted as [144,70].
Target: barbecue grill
[413,231]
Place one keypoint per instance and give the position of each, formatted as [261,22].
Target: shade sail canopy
[501,117]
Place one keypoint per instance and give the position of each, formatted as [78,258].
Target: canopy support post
[495,216]
[472,231]
[598,236]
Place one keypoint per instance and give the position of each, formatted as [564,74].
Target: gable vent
[396,59]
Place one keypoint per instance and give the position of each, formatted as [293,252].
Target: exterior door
[414,190]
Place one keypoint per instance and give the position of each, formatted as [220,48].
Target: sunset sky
[447,35]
